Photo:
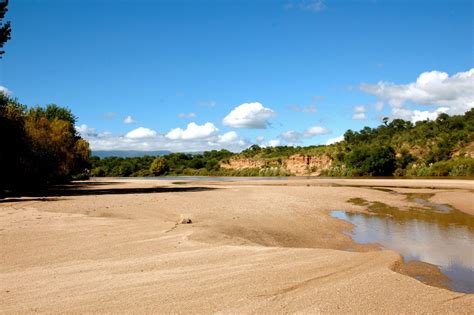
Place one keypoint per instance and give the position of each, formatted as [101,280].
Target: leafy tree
[374,161]
[159,166]
[40,146]
[5,29]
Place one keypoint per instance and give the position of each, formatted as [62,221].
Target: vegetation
[443,147]
[206,163]
[427,148]
[39,146]
[5,28]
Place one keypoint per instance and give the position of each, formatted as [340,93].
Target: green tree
[159,166]
[374,161]
[5,29]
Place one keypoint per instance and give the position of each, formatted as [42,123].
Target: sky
[199,75]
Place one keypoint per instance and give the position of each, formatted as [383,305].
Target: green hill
[443,147]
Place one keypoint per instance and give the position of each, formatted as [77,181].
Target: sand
[252,247]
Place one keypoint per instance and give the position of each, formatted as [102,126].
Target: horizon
[194,76]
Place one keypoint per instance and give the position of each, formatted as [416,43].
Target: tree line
[206,163]
[440,147]
[427,148]
[40,146]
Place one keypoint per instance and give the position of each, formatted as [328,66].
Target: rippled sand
[272,246]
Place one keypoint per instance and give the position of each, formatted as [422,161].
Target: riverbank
[266,246]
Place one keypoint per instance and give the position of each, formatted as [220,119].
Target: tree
[349,136]
[15,152]
[374,161]
[159,166]
[39,146]
[5,28]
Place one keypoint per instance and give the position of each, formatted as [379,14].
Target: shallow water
[441,236]
[206,178]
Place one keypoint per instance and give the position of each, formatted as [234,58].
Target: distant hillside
[441,147]
[128,153]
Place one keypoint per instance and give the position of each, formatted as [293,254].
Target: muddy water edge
[435,240]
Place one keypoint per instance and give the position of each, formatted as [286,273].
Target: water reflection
[446,241]
[206,178]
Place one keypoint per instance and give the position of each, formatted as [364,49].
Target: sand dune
[252,248]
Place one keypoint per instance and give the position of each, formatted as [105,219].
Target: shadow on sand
[90,189]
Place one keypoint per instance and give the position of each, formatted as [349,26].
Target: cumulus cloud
[425,115]
[144,139]
[129,120]
[291,136]
[294,137]
[141,133]
[360,109]
[260,139]
[316,131]
[434,88]
[249,115]
[85,130]
[379,106]
[186,115]
[228,137]
[273,143]
[359,112]
[193,131]
[334,140]
[417,115]
[4,91]
[359,116]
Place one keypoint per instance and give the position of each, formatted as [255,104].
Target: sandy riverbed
[253,247]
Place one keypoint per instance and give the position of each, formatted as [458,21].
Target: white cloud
[186,115]
[249,115]
[5,91]
[433,88]
[379,106]
[193,131]
[334,140]
[425,115]
[129,120]
[143,139]
[294,137]
[316,131]
[417,115]
[273,143]
[305,109]
[85,130]
[291,136]
[359,112]
[359,116]
[260,139]
[228,137]
[141,133]
[360,109]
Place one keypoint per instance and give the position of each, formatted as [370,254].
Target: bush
[374,161]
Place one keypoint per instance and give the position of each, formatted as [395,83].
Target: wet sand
[253,247]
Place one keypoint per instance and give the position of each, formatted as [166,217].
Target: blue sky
[195,75]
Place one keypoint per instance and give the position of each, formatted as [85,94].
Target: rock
[304,165]
[185,220]
[238,164]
